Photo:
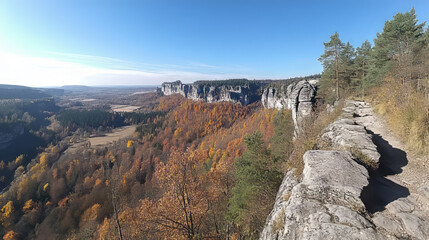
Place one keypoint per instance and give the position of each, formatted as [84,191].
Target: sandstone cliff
[296,96]
[237,91]
[339,186]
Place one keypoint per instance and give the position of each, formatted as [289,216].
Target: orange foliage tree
[182,211]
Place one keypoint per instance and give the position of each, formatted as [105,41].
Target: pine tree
[395,43]
[346,65]
[258,179]
[331,60]
[362,62]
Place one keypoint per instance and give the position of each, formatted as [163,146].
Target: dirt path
[398,192]
[399,167]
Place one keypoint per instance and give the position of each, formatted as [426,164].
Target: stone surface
[326,203]
[414,225]
[388,223]
[245,94]
[298,97]
[401,205]
[346,134]
[277,214]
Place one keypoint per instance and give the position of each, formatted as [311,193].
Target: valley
[207,120]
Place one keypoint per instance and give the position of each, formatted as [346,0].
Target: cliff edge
[344,191]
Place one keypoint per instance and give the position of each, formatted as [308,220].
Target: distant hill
[23,92]
[75,87]
[20,92]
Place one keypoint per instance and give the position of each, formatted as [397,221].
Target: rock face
[346,134]
[326,203]
[244,92]
[298,97]
[294,95]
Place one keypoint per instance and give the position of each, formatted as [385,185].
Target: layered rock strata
[245,93]
[298,97]
[345,134]
[326,202]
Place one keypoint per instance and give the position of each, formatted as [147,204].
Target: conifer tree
[331,61]
[362,62]
[346,65]
[395,43]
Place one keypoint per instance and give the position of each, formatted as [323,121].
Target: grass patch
[286,196]
[406,112]
[312,129]
[363,158]
[279,222]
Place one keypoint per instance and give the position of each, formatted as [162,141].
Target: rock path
[400,200]
[379,192]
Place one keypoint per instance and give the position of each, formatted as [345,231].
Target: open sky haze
[107,42]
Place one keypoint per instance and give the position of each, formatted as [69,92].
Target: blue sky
[106,42]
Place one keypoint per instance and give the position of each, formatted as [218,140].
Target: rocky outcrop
[289,96]
[346,134]
[403,219]
[333,197]
[243,91]
[296,96]
[326,203]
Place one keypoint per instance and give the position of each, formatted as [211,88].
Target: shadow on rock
[392,159]
[380,190]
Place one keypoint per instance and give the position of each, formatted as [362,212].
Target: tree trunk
[114,195]
[118,224]
[363,77]
[337,74]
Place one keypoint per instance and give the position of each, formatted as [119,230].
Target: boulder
[346,134]
[298,97]
[326,203]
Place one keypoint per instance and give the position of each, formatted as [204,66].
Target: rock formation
[346,134]
[297,96]
[237,91]
[327,202]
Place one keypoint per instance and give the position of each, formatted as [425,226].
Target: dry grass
[113,136]
[311,131]
[407,113]
[364,159]
[286,196]
[279,222]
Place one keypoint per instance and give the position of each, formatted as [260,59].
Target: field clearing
[124,108]
[117,134]
[83,99]
[99,141]
[143,92]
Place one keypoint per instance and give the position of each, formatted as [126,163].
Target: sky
[124,42]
